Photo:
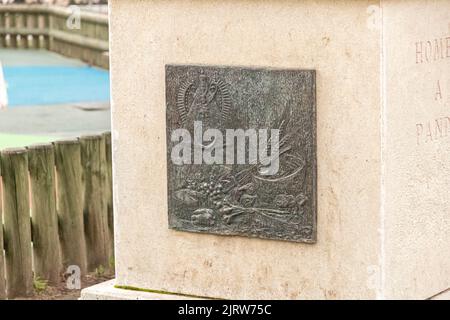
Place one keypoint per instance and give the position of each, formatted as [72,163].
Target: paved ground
[14,57]
[25,125]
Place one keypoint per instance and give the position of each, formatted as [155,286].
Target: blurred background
[54,79]
[54,85]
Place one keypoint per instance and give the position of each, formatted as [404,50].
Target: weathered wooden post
[109,189]
[47,256]
[70,203]
[17,222]
[2,257]
[93,158]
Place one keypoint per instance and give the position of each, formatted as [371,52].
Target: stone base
[445,295]
[107,291]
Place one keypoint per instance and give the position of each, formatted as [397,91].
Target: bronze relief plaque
[241,151]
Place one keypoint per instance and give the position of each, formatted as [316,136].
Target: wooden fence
[56,203]
[81,35]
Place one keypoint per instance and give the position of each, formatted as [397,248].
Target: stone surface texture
[416,145]
[383,222]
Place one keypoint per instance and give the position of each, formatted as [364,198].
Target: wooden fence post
[17,222]
[93,158]
[46,249]
[109,190]
[2,257]
[70,203]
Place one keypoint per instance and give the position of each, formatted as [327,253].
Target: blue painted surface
[47,85]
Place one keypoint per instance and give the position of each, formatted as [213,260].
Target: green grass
[100,271]
[39,284]
[15,140]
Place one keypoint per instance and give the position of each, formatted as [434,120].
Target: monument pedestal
[108,291]
[383,141]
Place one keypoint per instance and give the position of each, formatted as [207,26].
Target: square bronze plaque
[241,151]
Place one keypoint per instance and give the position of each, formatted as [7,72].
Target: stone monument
[280,149]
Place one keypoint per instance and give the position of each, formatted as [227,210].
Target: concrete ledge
[444,295]
[107,291]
